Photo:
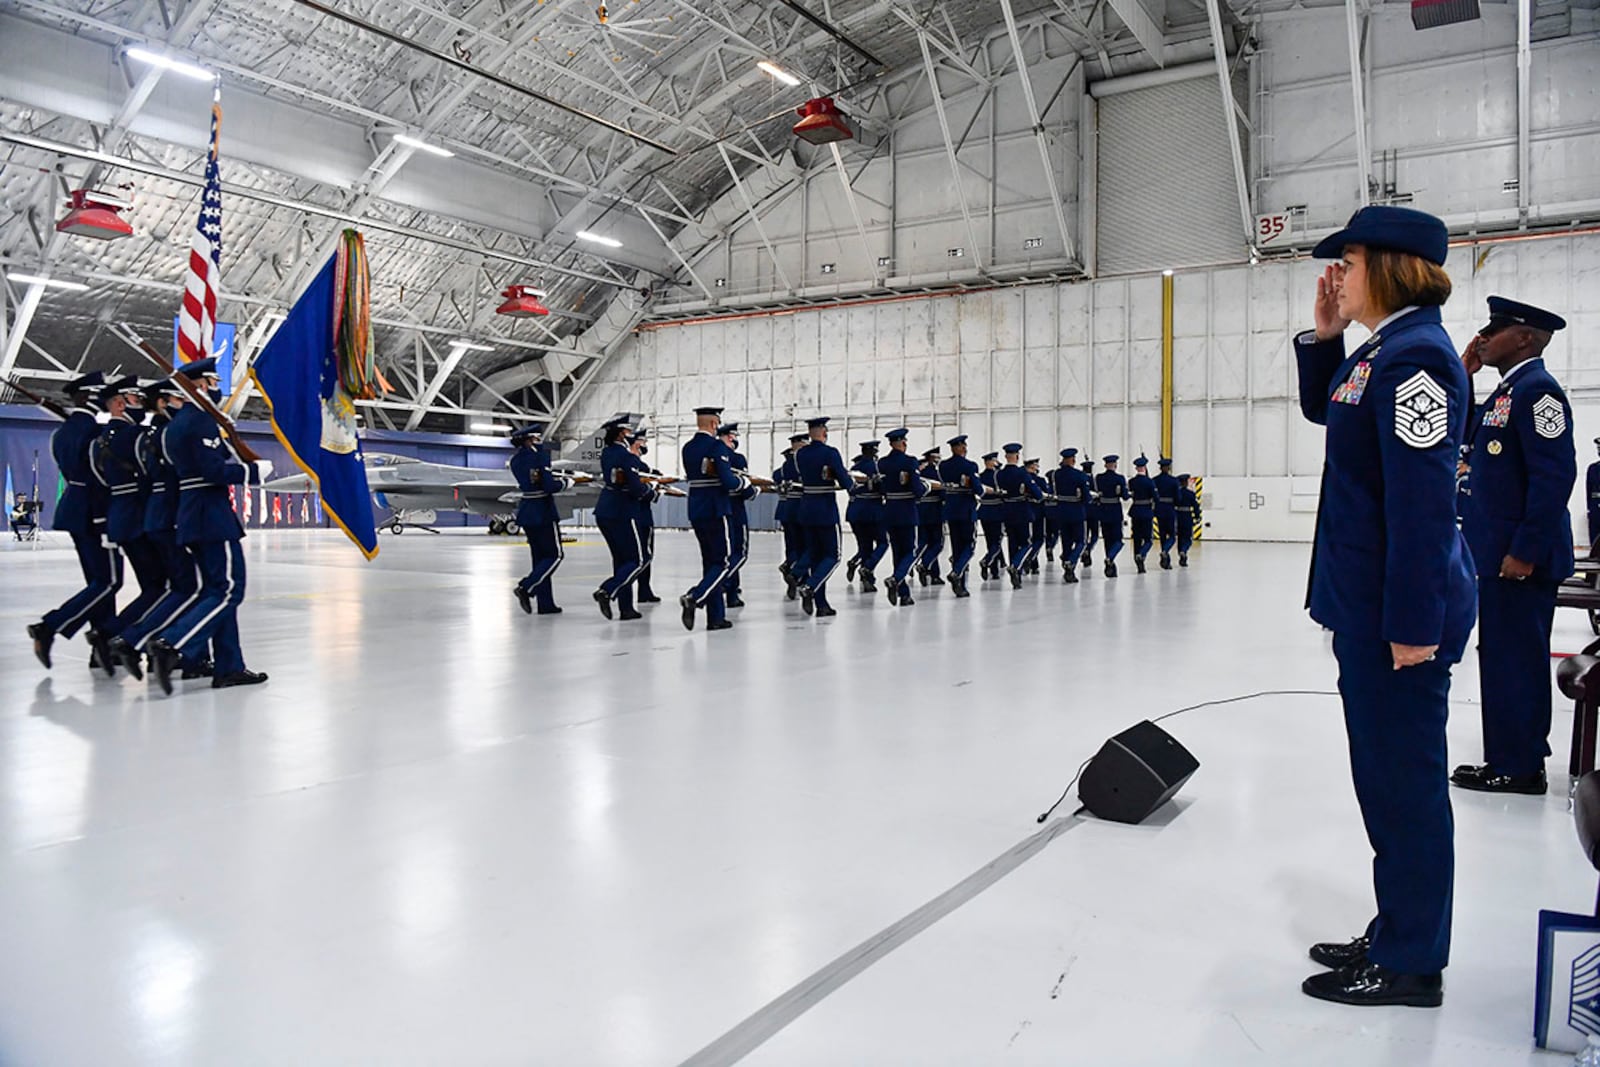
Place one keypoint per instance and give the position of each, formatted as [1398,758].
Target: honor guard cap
[126,384]
[817,423]
[92,380]
[1142,461]
[727,427]
[1400,229]
[533,429]
[931,452]
[1503,312]
[958,439]
[165,387]
[996,455]
[1184,477]
[1012,449]
[708,411]
[1164,461]
[797,438]
[199,368]
[1030,463]
[868,446]
[897,435]
[1110,459]
[1068,453]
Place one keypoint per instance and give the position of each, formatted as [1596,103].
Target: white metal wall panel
[1229,440]
[1166,192]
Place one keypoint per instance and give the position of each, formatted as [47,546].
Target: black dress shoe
[201,668]
[128,656]
[934,579]
[1183,560]
[959,587]
[629,616]
[808,603]
[850,570]
[905,597]
[720,624]
[102,658]
[1087,559]
[791,585]
[1138,561]
[892,591]
[228,681]
[1483,779]
[1166,561]
[602,598]
[1070,575]
[687,603]
[922,576]
[42,637]
[551,610]
[732,600]
[1336,954]
[1367,984]
[826,612]
[868,583]
[1016,577]
[1111,569]
[163,660]
[647,598]
[524,598]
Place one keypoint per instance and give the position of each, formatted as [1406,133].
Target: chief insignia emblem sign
[1549,418]
[1421,411]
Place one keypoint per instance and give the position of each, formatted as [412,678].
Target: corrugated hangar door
[1166,195]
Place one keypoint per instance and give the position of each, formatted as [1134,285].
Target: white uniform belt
[125,490]
[535,496]
[701,483]
[815,489]
[900,496]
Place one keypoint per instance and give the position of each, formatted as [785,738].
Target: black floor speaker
[1135,773]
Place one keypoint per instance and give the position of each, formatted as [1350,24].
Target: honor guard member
[1052,516]
[1016,494]
[1091,531]
[739,527]
[1142,511]
[209,529]
[1113,490]
[1166,510]
[116,449]
[902,487]
[1592,498]
[1071,489]
[538,517]
[80,513]
[1524,464]
[1391,576]
[961,488]
[990,518]
[1188,514]
[865,516]
[822,474]
[787,479]
[930,521]
[646,517]
[709,465]
[623,497]
[1038,504]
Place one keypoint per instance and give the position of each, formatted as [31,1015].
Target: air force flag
[298,374]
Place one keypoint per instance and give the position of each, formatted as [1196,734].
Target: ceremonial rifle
[126,334]
[38,400]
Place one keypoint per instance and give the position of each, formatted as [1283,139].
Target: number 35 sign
[1272,229]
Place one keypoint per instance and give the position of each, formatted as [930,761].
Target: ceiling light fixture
[778,72]
[470,346]
[415,142]
[48,283]
[177,66]
[489,427]
[609,242]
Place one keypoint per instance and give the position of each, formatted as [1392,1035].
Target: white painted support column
[1363,157]
[19,327]
[1067,245]
[1220,54]
[1524,105]
[950,149]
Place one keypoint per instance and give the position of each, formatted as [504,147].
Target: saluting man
[1524,465]
[961,488]
[1113,489]
[989,517]
[1071,488]
[1166,487]
[822,474]
[865,516]
[539,518]
[709,466]
[902,486]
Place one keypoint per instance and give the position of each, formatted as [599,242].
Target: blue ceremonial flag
[312,414]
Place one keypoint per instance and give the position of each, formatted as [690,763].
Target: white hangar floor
[446,832]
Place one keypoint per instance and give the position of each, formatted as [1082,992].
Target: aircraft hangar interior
[799,532]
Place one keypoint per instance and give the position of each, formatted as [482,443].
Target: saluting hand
[1410,655]
[1472,357]
[1325,312]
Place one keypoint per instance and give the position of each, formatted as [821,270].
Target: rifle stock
[241,448]
[37,399]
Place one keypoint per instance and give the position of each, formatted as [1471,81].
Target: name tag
[1354,387]
[1499,414]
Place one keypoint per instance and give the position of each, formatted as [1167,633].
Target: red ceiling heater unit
[820,122]
[95,214]
[523,302]
[1427,14]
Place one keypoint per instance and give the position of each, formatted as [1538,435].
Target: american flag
[197,322]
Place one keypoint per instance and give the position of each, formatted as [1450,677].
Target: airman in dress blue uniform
[1039,504]
[646,518]
[80,512]
[1091,529]
[1166,510]
[115,452]
[1391,576]
[1188,514]
[960,477]
[989,517]
[208,527]
[1070,487]
[709,466]
[902,488]
[1592,498]
[1017,492]
[787,479]
[624,498]
[539,518]
[739,546]
[1523,467]
[1142,511]
[1113,490]
[930,521]
[822,474]
[865,516]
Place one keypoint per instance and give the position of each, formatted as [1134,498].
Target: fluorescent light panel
[488,427]
[470,346]
[778,72]
[414,142]
[49,283]
[177,66]
[609,242]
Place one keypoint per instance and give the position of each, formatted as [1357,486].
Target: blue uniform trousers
[1052,533]
[1185,532]
[713,535]
[1036,534]
[930,542]
[1167,526]
[1395,721]
[145,559]
[1019,541]
[96,602]
[647,534]
[182,577]
[625,539]
[1091,533]
[544,545]
[1072,543]
[1111,534]
[870,545]
[903,542]
[1144,534]
[994,544]
[738,551]
[1514,621]
[963,542]
[213,617]
[819,561]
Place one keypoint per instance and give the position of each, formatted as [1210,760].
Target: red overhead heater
[1427,14]
[820,122]
[523,302]
[94,214]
